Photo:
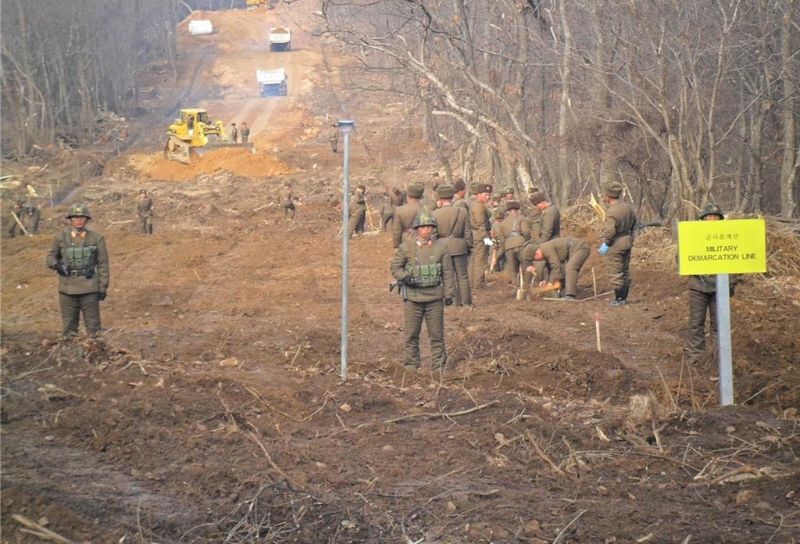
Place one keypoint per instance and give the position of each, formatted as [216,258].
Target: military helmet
[711,209]
[79,210]
[424,219]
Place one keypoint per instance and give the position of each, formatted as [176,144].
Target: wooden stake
[597,331]
[594,283]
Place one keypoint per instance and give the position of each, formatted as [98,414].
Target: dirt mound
[238,161]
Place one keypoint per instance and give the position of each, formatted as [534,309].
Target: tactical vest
[425,275]
[79,258]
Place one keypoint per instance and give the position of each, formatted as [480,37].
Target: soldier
[506,197]
[481,235]
[511,235]
[460,190]
[424,268]
[402,231]
[427,203]
[234,133]
[617,238]
[703,297]
[453,228]
[549,221]
[287,201]
[558,261]
[28,216]
[80,258]
[396,199]
[334,138]
[358,212]
[245,133]
[145,210]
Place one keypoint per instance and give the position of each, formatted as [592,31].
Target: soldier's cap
[612,189]
[537,198]
[362,187]
[711,209]
[498,213]
[234,124]
[415,190]
[459,185]
[533,189]
[512,205]
[142,191]
[483,188]
[445,191]
[509,191]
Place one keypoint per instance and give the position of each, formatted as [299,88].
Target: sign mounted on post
[737,246]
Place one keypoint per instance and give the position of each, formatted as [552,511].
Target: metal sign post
[346,127]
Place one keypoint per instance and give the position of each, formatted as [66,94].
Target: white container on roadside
[199,27]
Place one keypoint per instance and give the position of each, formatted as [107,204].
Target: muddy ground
[212,407]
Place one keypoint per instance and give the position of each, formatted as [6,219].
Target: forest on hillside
[685,102]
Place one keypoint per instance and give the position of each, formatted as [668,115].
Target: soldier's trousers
[433,315]
[461,270]
[387,222]
[72,306]
[288,210]
[147,224]
[513,262]
[356,223]
[619,268]
[573,267]
[700,304]
[479,262]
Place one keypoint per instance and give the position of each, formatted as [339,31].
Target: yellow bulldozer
[194,134]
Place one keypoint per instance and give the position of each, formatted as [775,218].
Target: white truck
[280,39]
[271,82]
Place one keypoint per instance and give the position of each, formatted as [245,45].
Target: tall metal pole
[346,127]
[724,338]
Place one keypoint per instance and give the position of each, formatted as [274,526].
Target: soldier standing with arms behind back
[145,210]
[425,269]
[453,228]
[358,212]
[617,238]
[234,133]
[245,133]
[80,258]
[334,138]
[402,230]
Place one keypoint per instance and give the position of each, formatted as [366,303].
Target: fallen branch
[120,222]
[20,224]
[41,532]
[442,414]
[563,532]
[543,456]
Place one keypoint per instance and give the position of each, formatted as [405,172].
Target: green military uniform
[334,138]
[28,215]
[402,230]
[396,199]
[549,219]
[703,299]
[358,212]
[479,217]
[562,260]
[511,235]
[453,228]
[245,133]
[80,258]
[617,239]
[426,270]
[144,209]
[287,201]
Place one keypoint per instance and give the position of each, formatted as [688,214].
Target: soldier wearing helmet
[703,297]
[145,212]
[80,258]
[617,240]
[424,267]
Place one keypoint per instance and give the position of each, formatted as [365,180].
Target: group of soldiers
[244,132]
[444,248]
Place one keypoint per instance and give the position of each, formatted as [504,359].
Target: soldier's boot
[621,297]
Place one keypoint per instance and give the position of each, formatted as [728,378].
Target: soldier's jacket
[556,253]
[427,204]
[617,231]
[479,218]
[358,203]
[708,284]
[512,232]
[86,255]
[408,259]
[144,208]
[549,224]
[461,203]
[453,229]
[398,199]
[403,219]
[286,197]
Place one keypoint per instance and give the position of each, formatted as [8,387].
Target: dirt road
[212,410]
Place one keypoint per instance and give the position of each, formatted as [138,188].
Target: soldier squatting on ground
[557,264]
[424,272]
[80,258]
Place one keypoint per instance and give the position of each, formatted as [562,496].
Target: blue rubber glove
[603,249]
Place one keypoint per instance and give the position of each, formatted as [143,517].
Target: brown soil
[212,408]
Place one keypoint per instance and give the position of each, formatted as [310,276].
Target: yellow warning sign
[737,246]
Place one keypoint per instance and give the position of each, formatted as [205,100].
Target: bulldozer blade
[177,150]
